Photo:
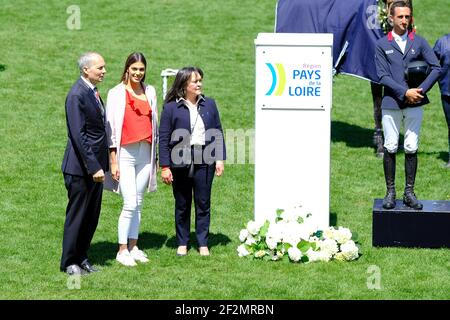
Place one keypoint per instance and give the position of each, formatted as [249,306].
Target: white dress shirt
[197,124]
[401,40]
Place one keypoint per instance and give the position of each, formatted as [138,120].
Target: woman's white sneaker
[124,257]
[139,255]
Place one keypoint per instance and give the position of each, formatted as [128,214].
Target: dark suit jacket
[391,64]
[87,147]
[442,50]
[175,115]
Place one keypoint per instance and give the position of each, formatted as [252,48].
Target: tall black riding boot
[409,198]
[389,175]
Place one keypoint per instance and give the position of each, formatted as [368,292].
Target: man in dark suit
[402,100]
[84,165]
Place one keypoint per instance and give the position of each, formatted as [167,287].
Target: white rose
[250,240]
[342,235]
[271,243]
[294,254]
[242,251]
[329,233]
[349,250]
[339,256]
[314,256]
[253,227]
[329,246]
[243,235]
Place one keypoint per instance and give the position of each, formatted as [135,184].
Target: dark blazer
[87,146]
[391,64]
[175,115]
[442,50]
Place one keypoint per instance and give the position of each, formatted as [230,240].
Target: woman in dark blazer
[191,150]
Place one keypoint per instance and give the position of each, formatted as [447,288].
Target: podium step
[406,227]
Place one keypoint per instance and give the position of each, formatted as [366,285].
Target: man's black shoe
[88,267]
[74,269]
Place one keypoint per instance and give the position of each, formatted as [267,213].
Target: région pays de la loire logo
[304,81]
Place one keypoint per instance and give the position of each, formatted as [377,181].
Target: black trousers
[82,214]
[200,187]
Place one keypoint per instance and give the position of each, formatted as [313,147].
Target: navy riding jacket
[391,64]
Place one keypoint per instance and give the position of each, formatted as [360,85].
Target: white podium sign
[292,123]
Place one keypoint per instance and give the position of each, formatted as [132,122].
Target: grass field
[38,66]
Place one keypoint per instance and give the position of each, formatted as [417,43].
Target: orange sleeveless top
[137,121]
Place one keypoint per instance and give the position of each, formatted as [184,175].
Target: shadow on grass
[353,136]
[148,240]
[333,219]
[441,155]
[215,239]
[2,67]
[102,253]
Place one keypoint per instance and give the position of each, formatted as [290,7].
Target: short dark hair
[180,83]
[132,58]
[400,4]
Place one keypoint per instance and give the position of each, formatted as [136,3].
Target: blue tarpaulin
[354,25]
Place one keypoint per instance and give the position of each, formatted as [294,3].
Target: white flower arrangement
[291,234]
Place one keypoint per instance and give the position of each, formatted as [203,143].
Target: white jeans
[134,168]
[392,121]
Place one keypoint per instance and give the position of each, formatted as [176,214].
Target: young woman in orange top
[131,114]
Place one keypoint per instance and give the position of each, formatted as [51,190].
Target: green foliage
[304,259]
[264,228]
[39,55]
[278,215]
[304,245]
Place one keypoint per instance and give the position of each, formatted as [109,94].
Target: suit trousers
[183,188]
[82,214]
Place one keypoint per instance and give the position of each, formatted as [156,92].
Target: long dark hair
[178,89]
[132,58]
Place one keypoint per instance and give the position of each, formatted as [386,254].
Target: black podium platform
[406,227]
